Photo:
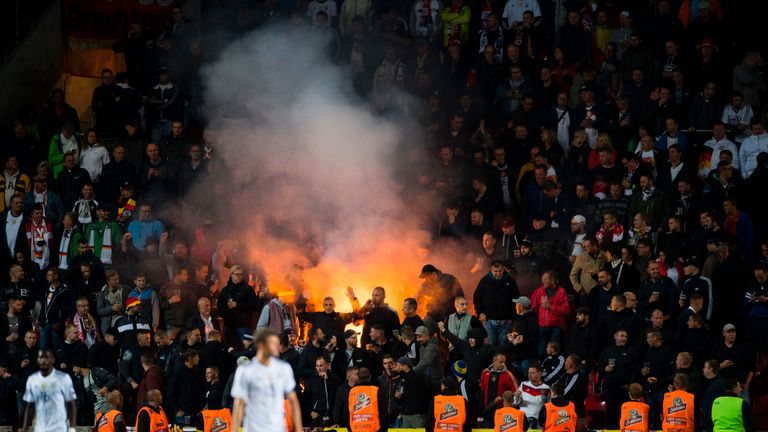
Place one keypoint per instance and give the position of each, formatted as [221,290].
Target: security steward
[214,418]
[112,420]
[364,404]
[678,410]
[559,414]
[634,413]
[730,412]
[448,412]
[508,418]
[151,417]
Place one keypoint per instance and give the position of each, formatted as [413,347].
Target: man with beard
[581,338]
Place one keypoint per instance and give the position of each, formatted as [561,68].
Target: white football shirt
[263,388]
[50,395]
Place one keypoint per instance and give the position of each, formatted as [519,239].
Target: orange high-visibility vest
[158,422]
[634,417]
[677,412]
[508,419]
[107,421]
[288,418]
[219,420]
[364,408]
[560,419]
[450,413]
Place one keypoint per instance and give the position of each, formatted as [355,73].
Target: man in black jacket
[14,217]
[117,173]
[493,299]
[331,322]
[580,339]
[95,383]
[320,391]
[341,405]
[575,383]
[615,367]
[348,355]
[524,340]
[56,307]
[186,387]
[413,395]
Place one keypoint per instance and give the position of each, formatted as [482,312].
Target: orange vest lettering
[634,417]
[364,409]
[217,420]
[158,422]
[677,412]
[508,419]
[450,413]
[107,421]
[288,418]
[560,419]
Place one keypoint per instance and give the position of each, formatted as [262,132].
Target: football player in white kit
[50,397]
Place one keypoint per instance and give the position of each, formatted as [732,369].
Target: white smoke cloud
[315,174]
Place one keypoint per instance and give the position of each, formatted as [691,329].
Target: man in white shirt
[718,143]
[514,9]
[261,386]
[50,397]
[752,146]
[532,395]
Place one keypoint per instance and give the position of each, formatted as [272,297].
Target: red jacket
[558,311]
[504,383]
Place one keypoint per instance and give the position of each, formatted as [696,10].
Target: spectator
[144,227]
[492,297]
[551,304]
[531,395]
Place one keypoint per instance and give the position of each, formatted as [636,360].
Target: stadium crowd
[603,161]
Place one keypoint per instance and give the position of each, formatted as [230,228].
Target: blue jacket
[141,230]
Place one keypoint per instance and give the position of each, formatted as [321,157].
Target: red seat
[760,412]
[594,412]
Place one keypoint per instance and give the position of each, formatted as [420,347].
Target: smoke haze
[317,179]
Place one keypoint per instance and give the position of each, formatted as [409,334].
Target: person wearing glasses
[236,302]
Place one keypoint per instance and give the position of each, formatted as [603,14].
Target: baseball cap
[625,14]
[728,327]
[509,221]
[405,361]
[704,5]
[421,331]
[523,301]
[527,243]
[579,219]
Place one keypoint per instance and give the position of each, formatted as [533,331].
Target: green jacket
[56,153]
